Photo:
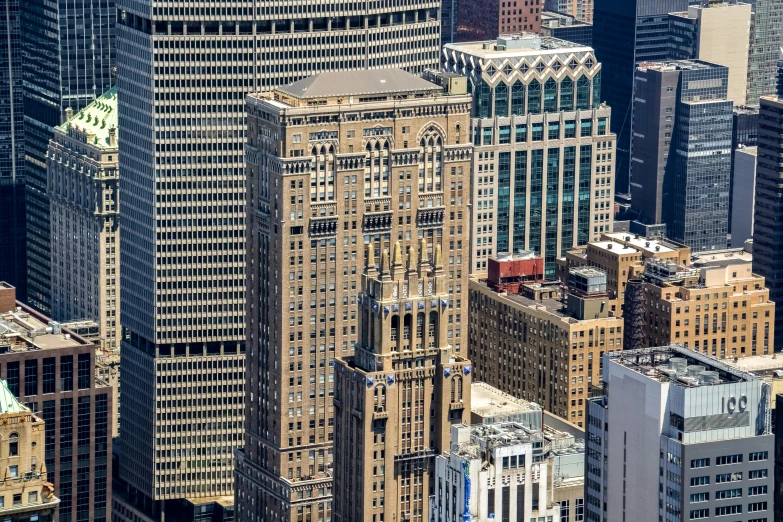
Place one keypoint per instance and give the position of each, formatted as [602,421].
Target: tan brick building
[336,161]
[543,346]
[25,492]
[398,396]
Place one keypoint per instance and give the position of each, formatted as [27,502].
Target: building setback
[69,60]
[566,27]
[400,394]
[82,165]
[767,232]
[335,161]
[677,435]
[53,372]
[543,169]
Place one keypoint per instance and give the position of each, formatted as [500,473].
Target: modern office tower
[765,39]
[52,371]
[566,27]
[25,494]
[715,32]
[540,345]
[720,308]
[401,392]
[743,195]
[581,10]
[544,159]
[680,174]
[622,256]
[643,27]
[768,214]
[678,436]
[778,456]
[84,207]
[745,132]
[335,161]
[69,60]
[449,14]
[487,20]
[13,268]
[509,471]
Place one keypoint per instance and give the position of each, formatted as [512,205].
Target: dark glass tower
[68,62]
[12,222]
[765,40]
[625,33]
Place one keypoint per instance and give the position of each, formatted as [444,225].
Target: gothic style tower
[397,397]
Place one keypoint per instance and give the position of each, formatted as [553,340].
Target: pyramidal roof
[8,403]
[357,83]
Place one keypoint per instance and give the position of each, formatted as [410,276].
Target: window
[66,373]
[700,481]
[728,493]
[757,490]
[84,371]
[757,456]
[700,497]
[757,474]
[728,510]
[18,499]
[13,445]
[757,506]
[699,513]
[700,463]
[32,497]
[726,460]
[14,470]
[728,477]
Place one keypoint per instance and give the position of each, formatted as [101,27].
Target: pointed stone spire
[369,260]
[424,261]
[411,259]
[397,255]
[385,265]
[438,266]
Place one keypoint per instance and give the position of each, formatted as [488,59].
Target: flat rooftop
[614,246]
[23,329]
[642,243]
[488,401]
[680,366]
[676,65]
[518,45]
[761,364]
[359,83]
[727,257]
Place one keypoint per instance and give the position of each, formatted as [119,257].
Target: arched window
[483,100]
[13,445]
[534,97]
[583,93]
[501,100]
[380,398]
[395,327]
[550,95]
[433,329]
[597,89]
[453,390]
[406,328]
[420,325]
[567,94]
[518,99]
[456,383]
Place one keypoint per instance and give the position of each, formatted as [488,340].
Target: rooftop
[676,65]
[679,366]
[358,83]
[614,247]
[753,151]
[642,243]
[96,120]
[8,403]
[524,44]
[730,256]
[553,20]
[487,401]
[759,364]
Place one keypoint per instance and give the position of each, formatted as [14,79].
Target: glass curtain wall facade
[544,156]
[69,60]
[12,168]
[765,40]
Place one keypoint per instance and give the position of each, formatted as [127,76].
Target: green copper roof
[8,403]
[96,119]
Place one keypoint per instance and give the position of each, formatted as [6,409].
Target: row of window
[728,510]
[725,460]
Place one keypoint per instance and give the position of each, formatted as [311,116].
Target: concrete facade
[743,195]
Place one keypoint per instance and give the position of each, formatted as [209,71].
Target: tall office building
[767,232]
[84,201]
[678,436]
[681,174]
[335,161]
[643,27]
[183,186]
[12,179]
[581,10]
[765,40]
[486,20]
[69,60]
[715,32]
[52,371]
[566,27]
[544,159]
[408,386]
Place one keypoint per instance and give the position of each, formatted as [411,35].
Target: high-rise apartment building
[679,174]
[678,436]
[184,208]
[766,36]
[52,371]
[13,268]
[335,161]
[543,167]
[397,398]
[767,232]
[715,32]
[537,344]
[25,493]
[82,165]
[69,60]
[486,20]
[643,27]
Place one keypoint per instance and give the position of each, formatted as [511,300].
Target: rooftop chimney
[7,297]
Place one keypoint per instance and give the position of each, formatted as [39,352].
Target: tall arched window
[534,97]
[518,99]
[583,93]
[567,94]
[395,327]
[420,325]
[13,445]
[406,327]
[501,100]
[433,330]
[550,95]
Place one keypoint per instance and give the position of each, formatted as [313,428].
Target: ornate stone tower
[397,397]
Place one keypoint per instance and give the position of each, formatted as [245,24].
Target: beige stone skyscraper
[336,161]
[397,397]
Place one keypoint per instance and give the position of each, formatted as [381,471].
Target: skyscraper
[335,161]
[544,157]
[12,168]
[486,20]
[767,232]
[69,57]
[765,40]
[408,386]
[183,185]
[642,26]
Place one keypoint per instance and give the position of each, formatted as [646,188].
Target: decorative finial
[438,260]
[411,259]
[369,259]
[397,255]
